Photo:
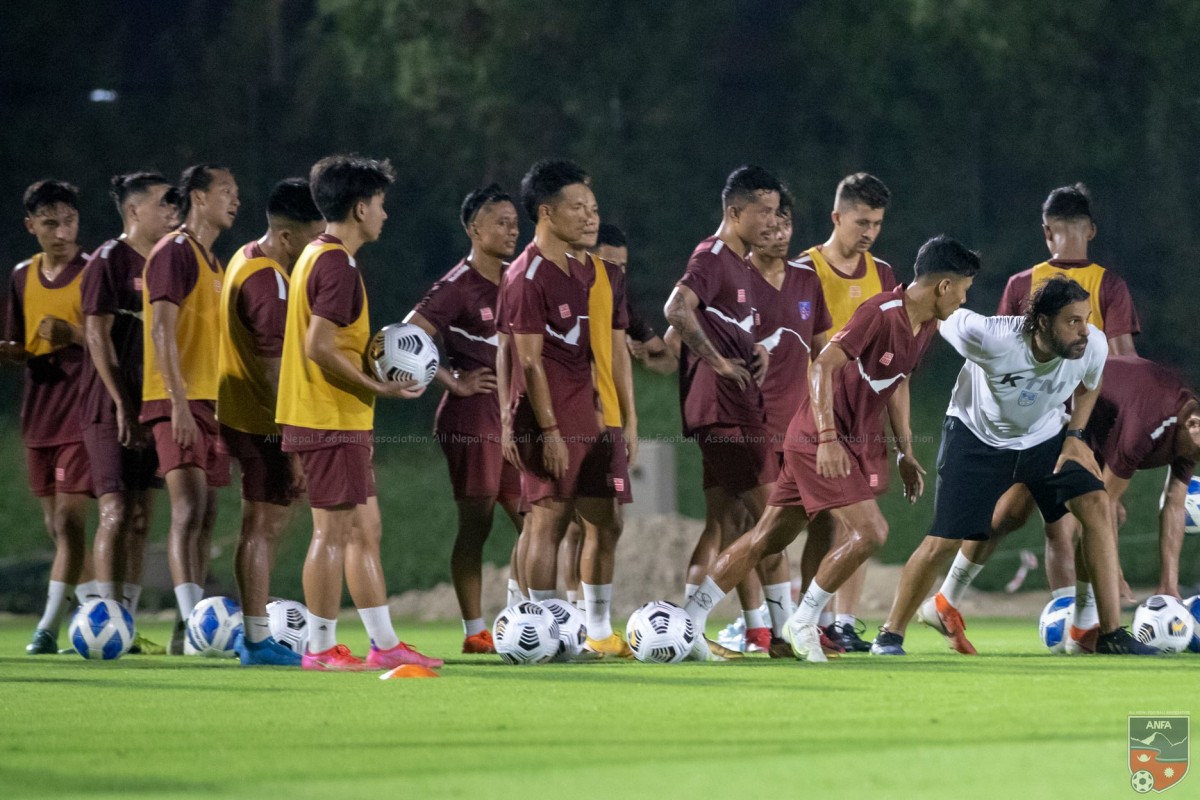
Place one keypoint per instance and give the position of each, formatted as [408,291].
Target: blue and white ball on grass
[660,632]
[572,628]
[1054,625]
[213,627]
[402,352]
[526,633]
[288,621]
[1192,604]
[1164,623]
[1191,508]
[101,629]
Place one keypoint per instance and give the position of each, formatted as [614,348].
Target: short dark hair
[49,193]
[941,255]
[787,203]
[1068,202]
[864,188]
[340,181]
[196,178]
[475,200]
[610,235]
[745,183]
[1051,297]
[546,179]
[122,187]
[292,200]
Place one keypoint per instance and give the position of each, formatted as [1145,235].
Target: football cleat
[398,656]
[144,647]
[806,641]
[888,644]
[479,643]
[937,613]
[614,645]
[44,643]
[268,652]
[336,659]
[849,638]
[780,648]
[1123,643]
[830,646]
[1081,640]
[758,640]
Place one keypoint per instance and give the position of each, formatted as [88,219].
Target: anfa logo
[1158,752]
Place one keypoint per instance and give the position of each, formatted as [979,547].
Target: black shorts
[972,477]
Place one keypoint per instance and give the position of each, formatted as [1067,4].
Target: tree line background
[970,111]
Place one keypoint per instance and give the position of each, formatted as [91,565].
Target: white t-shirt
[1004,396]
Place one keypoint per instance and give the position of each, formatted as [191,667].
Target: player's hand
[1075,450]
[12,351]
[508,445]
[183,425]
[832,460]
[913,476]
[762,357]
[733,369]
[631,445]
[55,331]
[636,349]
[477,381]
[127,433]
[299,483]
[554,454]
[401,390]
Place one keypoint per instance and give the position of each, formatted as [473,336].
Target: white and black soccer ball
[1142,781]
[525,633]
[1192,604]
[101,629]
[402,352]
[660,632]
[213,626]
[1164,623]
[289,624]
[572,630]
[1191,508]
[1054,625]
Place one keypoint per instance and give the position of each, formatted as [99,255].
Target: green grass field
[1013,723]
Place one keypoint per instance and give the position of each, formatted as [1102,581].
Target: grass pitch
[1015,722]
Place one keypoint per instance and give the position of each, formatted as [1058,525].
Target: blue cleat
[1121,642]
[265,653]
[888,644]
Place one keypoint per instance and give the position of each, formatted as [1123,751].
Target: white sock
[1066,591]
[88,590]
[257,629]
[689,589]
[755,617]
[106,589]
[473,626]
[811,605]
[778,597]
[962,573]
[378,622]
[322,633]
[702,602]
[132,594]
[186,597]
[597,605]
[1086,614]
[59,598]
[538,595]
[845,619]
[826,618]
[572,596]
[514,592]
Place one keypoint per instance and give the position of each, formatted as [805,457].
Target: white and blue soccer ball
[214,625]
[660,632]
[289,624]
[526,633]
[1192,604]
[1164,623]
[572,628]
[402,352]
[101,629]
[1054,625]
[1191,508]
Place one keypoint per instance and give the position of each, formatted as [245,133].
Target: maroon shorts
[207,452]
[267,474]
[58,469]
[875,466]
[117,469]
[338,475]
[737,458]
[588,472]
[800,485]
[619,474]
[477,467]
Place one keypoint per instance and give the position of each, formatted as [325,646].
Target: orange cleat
[398,656]
[409,671]
[937,613]
[336,659]
[479,643]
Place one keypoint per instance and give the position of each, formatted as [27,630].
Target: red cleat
[479,643]
[336,659]
[398,656]
[758,640]
[828,645]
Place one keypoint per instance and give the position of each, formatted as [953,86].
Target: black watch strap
[1077,433]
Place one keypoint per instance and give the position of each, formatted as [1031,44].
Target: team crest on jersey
[886,358]
[855,292]
[564,311]
[1158,752]
[805,308]
[741,295]
[486,314]
[1027,398]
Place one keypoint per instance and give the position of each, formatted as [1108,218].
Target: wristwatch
[1077,433]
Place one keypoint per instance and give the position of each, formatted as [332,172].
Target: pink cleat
[398,656]
[336,659]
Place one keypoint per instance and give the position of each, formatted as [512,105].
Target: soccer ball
[1164,623]
[1192,604]
[660,632]
[1055,623]
[1191,507]
[101,629]
[403,352]
[526,633]
[289,624]
[213,626]
[571,629]
[1142,781]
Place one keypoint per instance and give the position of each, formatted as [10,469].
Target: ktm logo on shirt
[486,314]
[855,292]
[564,311]
[886,359]
[741,295]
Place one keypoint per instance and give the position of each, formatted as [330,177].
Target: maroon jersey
[538,297]
[788,318]
[112,284]
[883,351]
[1116,304]
[725,285]
[262,307]
[462,306]
[50,399]
[1136,417]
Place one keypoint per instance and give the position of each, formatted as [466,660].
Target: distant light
[103,96]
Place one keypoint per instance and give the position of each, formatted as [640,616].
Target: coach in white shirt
[1007,423]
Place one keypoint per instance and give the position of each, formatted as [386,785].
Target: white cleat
[702,652]
[805,639]
[928,615]
[1080,641]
